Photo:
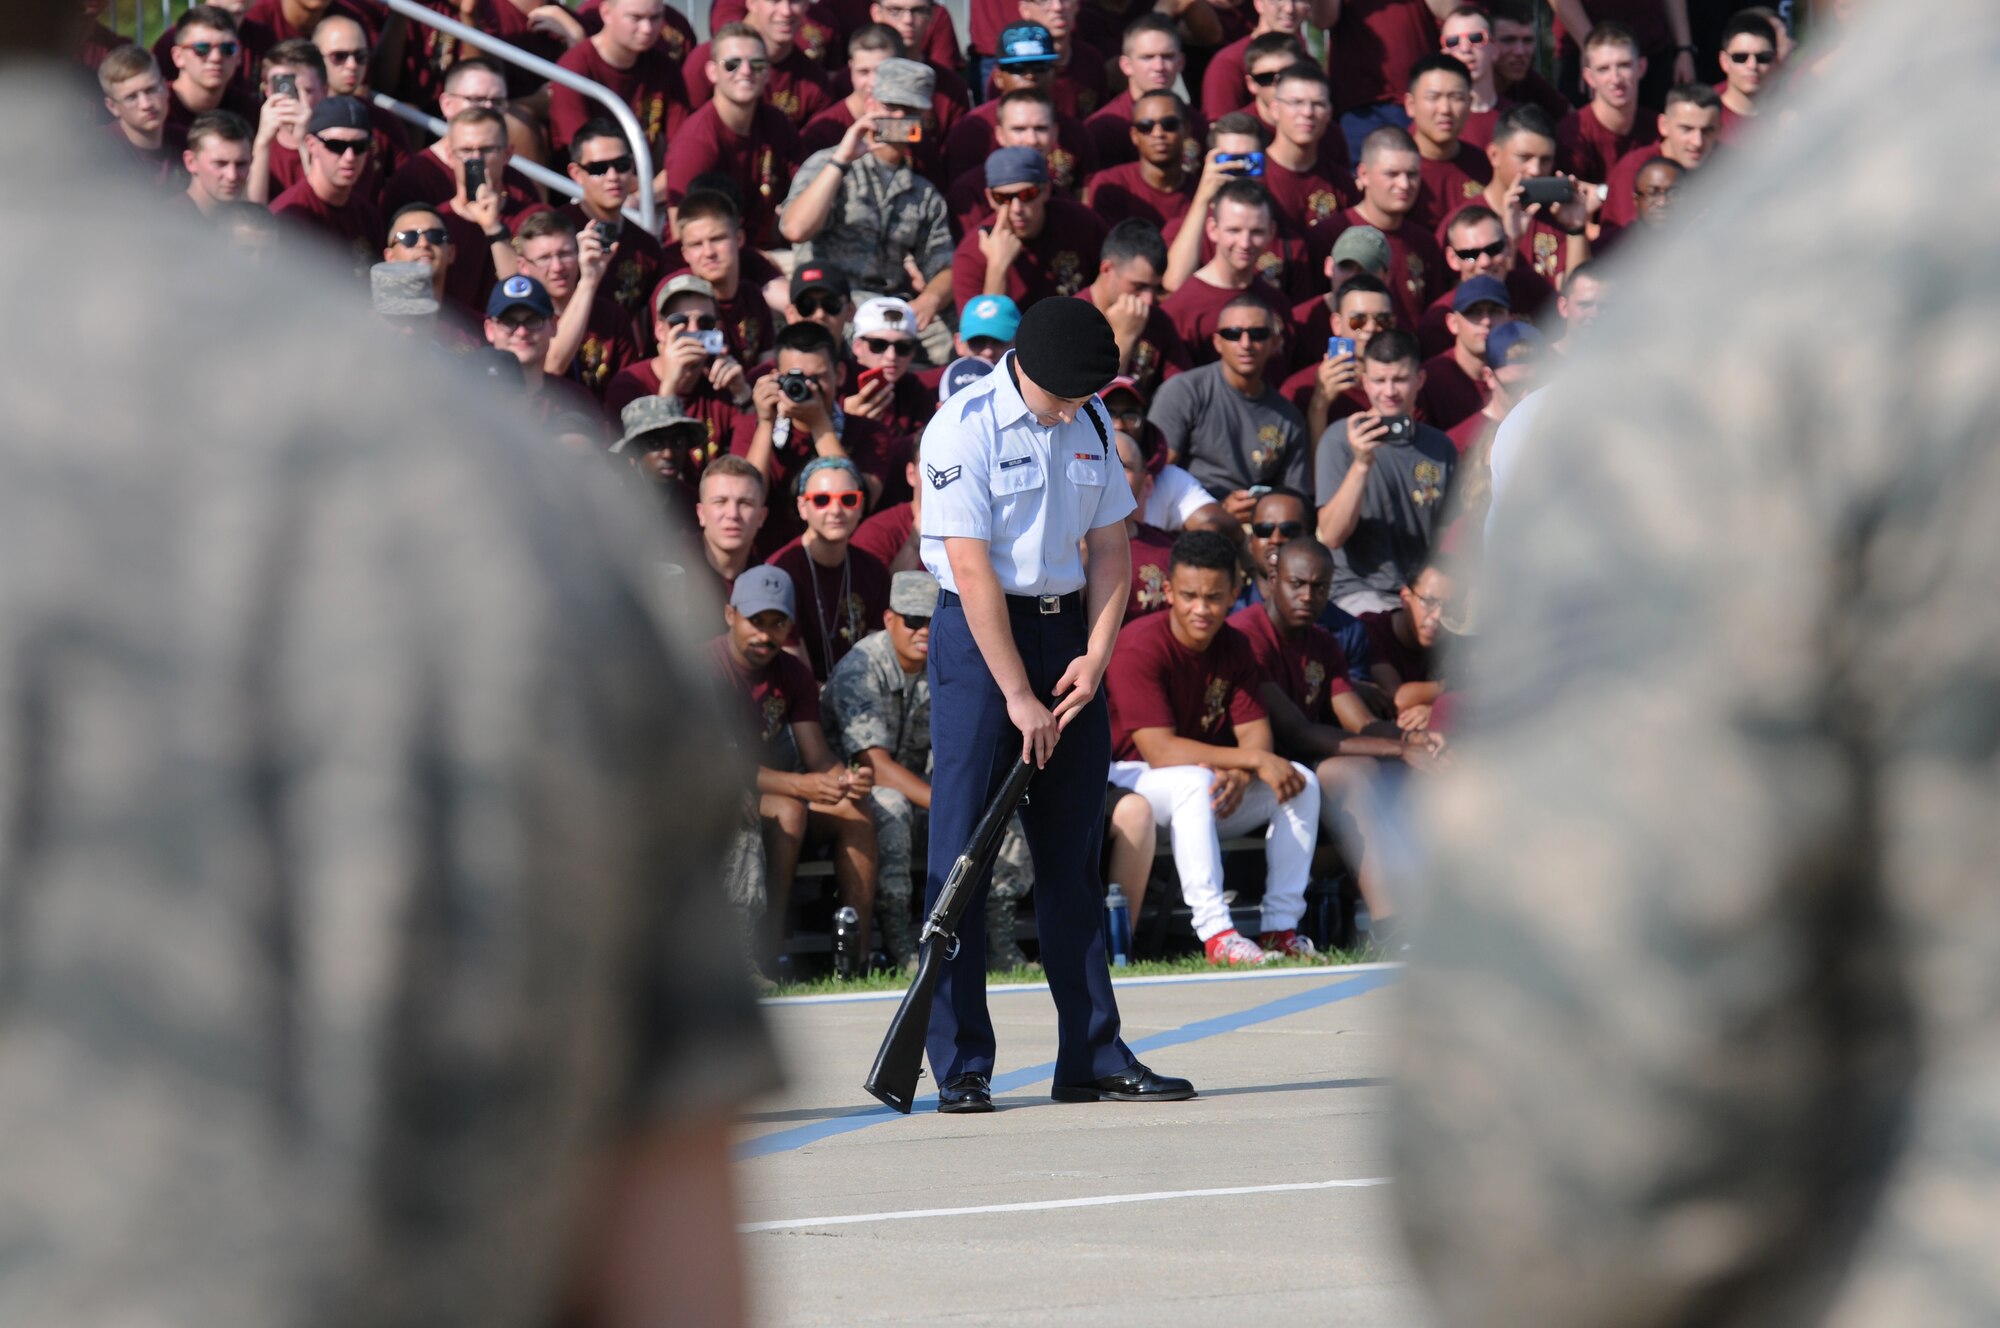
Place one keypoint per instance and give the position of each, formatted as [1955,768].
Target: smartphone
[1339,346]
[1398,429]
[284,85]
[1257,491]
[1253,161]
[712,341]
[867,376]
[899,130]
[604,233]
[475,176]
[1547,189]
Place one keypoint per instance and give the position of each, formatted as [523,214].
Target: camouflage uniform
[1706,1024]
[870,702]
[357,902]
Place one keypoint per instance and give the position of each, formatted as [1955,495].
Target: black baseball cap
[819,276]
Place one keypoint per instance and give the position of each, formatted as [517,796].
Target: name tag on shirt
[1012,462]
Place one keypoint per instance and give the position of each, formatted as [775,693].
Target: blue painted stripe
[799,1136]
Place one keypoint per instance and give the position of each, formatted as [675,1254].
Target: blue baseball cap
[1026,44]
[1481,290]
[520,293]
[1011,166]
[960,374]
[1518,342]
[995,316]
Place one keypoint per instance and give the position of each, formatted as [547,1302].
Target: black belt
[1044,605]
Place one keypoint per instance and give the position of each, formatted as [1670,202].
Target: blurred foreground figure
[361,953]
[1706,1026]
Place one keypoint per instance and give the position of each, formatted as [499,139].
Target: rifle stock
[900,1060]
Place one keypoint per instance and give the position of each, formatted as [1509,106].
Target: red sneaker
[1288,945]
[1232,949]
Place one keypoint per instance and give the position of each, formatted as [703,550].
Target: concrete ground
[1090,1213]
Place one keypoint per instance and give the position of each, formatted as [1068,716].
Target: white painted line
[1045,1205]
[1161,980]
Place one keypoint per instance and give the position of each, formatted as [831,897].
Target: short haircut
[1469,11]
[1285,491]
[479,115]
[1239,123]
[1659,163]
[1582,271]
[216,19]
[1395,347]
[717,182]
[1250,193]
[1180,106]
[1437,62]
[1304,545]
[455,77]
[1521,13]
[1749,23]
[125,63]
[806,339]
[731,466]
[709,205]
[875,37]
[1472,214]
[1362,283]
[1134,238]
[298,53]
[1250,299]
[592,131]
[1208,550]
[1269,44]
[1441,563]
[1698,95]
[541,224]
[1304,72]
[1019,95]
[734,32]
[1610,33]
[1153,21]
[411,210]
[225,125]
[1527,118]
[1389,138]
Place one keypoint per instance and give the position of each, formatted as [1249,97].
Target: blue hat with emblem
[960,374]
[995,316]
[1026,44]
[1481,290]
[520,293]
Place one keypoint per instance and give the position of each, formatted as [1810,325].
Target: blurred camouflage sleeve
[1706,1029]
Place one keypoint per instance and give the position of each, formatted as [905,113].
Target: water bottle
[1117,927]
[846,943]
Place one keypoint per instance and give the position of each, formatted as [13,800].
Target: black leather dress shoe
[966,1094]
[1136,1084]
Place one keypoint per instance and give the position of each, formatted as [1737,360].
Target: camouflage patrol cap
[402,290]
[1363,246]
[913,594]
[656,415]
[905,83]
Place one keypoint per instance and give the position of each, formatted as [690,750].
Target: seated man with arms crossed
[1190,735]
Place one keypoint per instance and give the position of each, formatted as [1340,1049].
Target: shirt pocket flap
[1086,472]
[1017,475]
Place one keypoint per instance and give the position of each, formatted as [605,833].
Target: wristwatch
[499,236]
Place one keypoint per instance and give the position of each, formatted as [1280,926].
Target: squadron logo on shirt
[1270,446]
[750,335]
[1152,592]
[1062,169]
[1548,255]
[1429,476]
[852,615]
[1322,204]
[1315,677]
[774,715]
[1470,189]
[1215,706]
[1068,271]
[1415,284]
[1271,267]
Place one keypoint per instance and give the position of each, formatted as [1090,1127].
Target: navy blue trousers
[973,745]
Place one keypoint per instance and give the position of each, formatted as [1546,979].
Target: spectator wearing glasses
[738,135]
[1155,184]
[1749,60]
[520,321]
[1383,479]
[477,219]
[1026,65]
[711,387]
[1466,35]
[593,339]
[1239,228]
[626,57]
[1281,516]
[888,390]
[1359,250]
[1391,179]
[1403,639]
[1475,245]
[1191,736]
[1690,127]
[1078,87]
[293,80]
[1598,134]
[207,60]
[860,206]
[432,176]
[217,160]
[1152,60]
[1549,237]
[796,87]
[1329,389]
[867,48]
[343,43]
[329,200]
[602,165]
[1225,423]
[1249,65]
[269,24]
[841,590]
[1036,245]
[821,294]
[137,98]
[417,234]
[1454,171]
[1454,379]
[927,35]
[1127,291]
[711,244]
[797,426]
[1305,191]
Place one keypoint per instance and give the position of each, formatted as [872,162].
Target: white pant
[1179,797]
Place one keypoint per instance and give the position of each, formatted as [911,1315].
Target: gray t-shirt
[1229,441]
[1399,509]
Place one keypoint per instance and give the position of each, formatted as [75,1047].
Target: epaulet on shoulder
[973,403]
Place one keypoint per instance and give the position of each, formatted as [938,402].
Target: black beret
[1066,347]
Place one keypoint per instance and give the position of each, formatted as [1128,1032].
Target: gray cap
[652,414]
[1364,245]
[905,83]
[760,589]
[913,594]
[402,290]
[1010,166]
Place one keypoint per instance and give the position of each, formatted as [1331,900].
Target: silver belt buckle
[1050,605]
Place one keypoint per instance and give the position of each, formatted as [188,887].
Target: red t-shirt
[424,179]
[887,533]
[1620,208]
[1110,132]
[1118,192]
[355,226]
[1312,324]
[1155,682]
[1062,260]
[634,273]
[159,166]
[1587,150]
[1299,388]
[1288,265]
[1306,199]
[1222,87]
[1152,556]
[1417,270]
[1311,669]
[1479,125]
[429,54]
[1470,431]
[848,599]
[987,18]
[1196,311]
[1450,185]
[470,278]
[1646,18]
[263,26]
[652,87]
[1451,394]
[797,89]
[972,139]
[781,693]
[1079,87]
[761,162]
[1372,48]
[608,349]
[1532,87]
[1411,663]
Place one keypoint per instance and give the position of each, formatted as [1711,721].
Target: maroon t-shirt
[1299,388]
[1152,556]
[1287,265]
[1411,663]
[1532,87]
[1372,48]
[635,271]
[471,276]
[987,18]
[1417,270]
[180,116]
[424,179]
[1110,132]
[1587,150]
[1062,260]
[1159,354]
[797,88]
[1312,324]
[1079,89]
[355,226]
[728,425]
[779,694]
[886,534]
[156,166]
[848,600]
[1450,185]
[1478,128]
[1306,199]
[1222,86]
[761,162]
[1526,291]
[652,87]
[429,54]
[1310,668]
[823,35]
[1118,192]
[263,26]
[1196,311]
[609,347]
[972,139]
[1450,393]
[1155,682]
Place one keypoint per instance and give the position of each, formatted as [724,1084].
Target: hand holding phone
[1547,190]
[899,129]
[1339,346]
[475,177]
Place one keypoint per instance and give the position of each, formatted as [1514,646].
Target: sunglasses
[1381,322]
[847,498]
[1029,67]
[889,346]
[203,50]
[341,147]
[1258,335]
[622,165]
[1494,250]
[1267,78]
[1465,39]
[353,57]
[408,239]
[810,304]
[758,64]
[702,322]
[1745,57]
[532,323]
[1027,195]
[916,622]
[1263,530]
[1170,123]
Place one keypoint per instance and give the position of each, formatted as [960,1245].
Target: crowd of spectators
[1338,241]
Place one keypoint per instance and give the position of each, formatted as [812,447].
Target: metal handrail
[534,170]
[492,46]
